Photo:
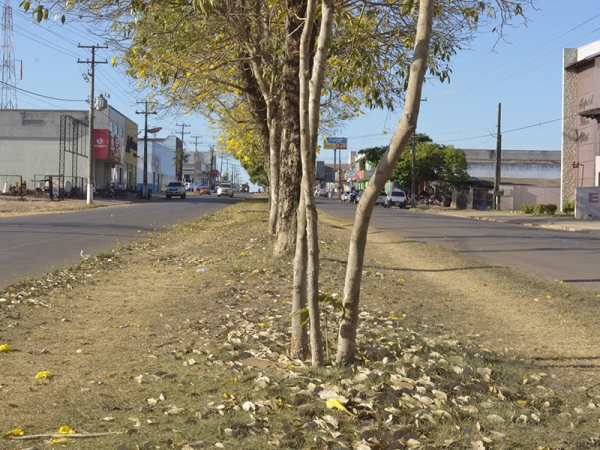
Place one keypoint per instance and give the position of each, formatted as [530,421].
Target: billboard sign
[107,146]
[101,143]
[587,203]
[337,143]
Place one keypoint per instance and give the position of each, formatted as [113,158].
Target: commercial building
[39,144]
[581,112]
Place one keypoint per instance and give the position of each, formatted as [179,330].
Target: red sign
[107,146]
[215,173]
[101,144]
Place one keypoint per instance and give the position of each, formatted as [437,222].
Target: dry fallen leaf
[335,403]
[60,441]
[15,432]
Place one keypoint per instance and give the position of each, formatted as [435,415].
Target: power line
[41,95]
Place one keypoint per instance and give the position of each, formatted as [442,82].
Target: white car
[396,198]
[225,189]
[175,188]
[382,199]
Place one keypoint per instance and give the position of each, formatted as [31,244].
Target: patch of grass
[141,343]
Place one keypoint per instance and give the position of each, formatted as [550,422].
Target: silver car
[175,188]
[396,198]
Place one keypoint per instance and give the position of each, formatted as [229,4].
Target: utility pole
[179,158]
[145,176]
[498,160]
[212,165]
[413,186]
[92,63]
[413,174]
[196,161]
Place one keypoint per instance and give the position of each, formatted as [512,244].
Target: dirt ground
[10,205]
[148,341]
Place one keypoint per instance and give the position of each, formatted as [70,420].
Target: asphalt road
[35,244]
[572,257]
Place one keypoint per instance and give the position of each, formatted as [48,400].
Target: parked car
[382,199]
[320,192]
[175,188]
[396,198]
[204,190]
[225,189]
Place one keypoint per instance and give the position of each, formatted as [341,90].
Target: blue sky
[524,74]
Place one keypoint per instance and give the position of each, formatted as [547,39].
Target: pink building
[580,152]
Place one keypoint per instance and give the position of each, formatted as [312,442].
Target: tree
[373,154]
[219,56]
[426,11]
[179,160]
[434,162]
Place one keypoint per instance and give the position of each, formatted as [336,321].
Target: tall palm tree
[179,159]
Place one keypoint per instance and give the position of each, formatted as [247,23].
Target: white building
[35,144]
[160,164]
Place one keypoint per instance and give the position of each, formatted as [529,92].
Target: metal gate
[70,131]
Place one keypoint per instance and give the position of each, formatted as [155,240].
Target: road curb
[531,224]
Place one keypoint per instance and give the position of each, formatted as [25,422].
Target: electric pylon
[8,90]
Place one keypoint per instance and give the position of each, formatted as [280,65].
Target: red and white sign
[107,146]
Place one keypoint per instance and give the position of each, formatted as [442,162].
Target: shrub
[551,209]
[569,208]
[539,209]
[527,208]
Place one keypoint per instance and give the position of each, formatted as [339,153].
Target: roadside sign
[337,143]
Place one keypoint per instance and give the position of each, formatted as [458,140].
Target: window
[32,122]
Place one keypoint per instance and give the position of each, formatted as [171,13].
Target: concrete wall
[514,156]
[569,131]
[529,194]
[514,170]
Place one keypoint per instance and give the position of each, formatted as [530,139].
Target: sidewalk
[557,222]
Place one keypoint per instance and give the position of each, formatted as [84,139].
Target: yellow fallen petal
[60,441]
[44,374]
[5,348]
[335,403]
[15,432]
[66,430]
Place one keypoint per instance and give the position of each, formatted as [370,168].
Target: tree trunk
[274,175]
[346,349]
[266,115]
[311,83]
[290,174]
[299,344]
